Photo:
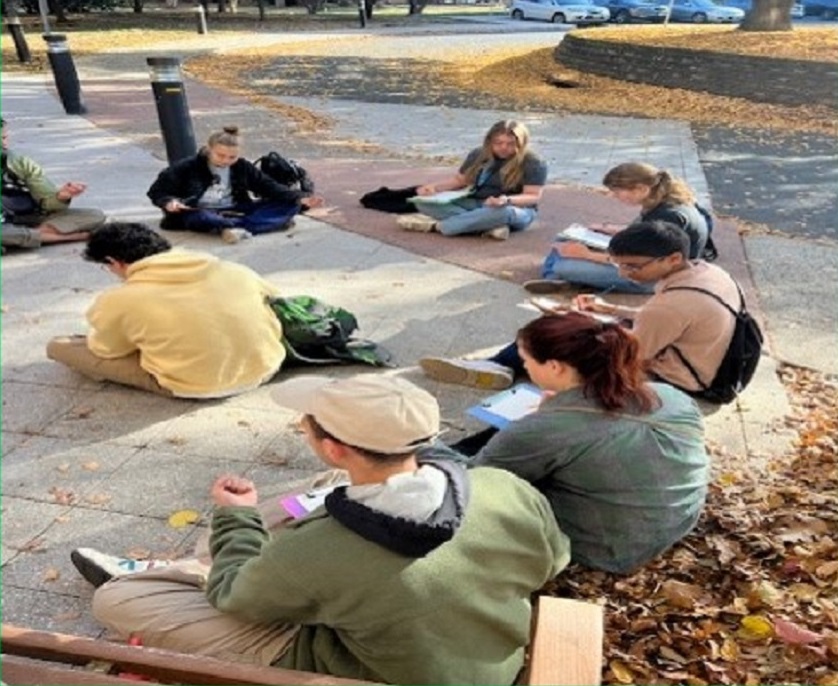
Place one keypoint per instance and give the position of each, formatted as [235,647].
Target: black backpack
[740,361]
[392,200]
[284,171]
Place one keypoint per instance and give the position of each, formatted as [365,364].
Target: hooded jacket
[202,327]
[437,599]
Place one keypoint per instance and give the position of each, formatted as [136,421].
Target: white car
[583,12]
[705,11]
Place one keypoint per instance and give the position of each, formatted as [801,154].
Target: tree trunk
[138,6]
[368,7]
[261,5]
[222,6]
[768,15]
[57,8]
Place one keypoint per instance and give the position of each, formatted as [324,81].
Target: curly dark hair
[125,242]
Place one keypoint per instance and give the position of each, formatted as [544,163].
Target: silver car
[582,12]
[705,11]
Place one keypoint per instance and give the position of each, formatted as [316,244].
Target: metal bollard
[64,72]
[172,108]
[21,47]
[362,13]
[201,19]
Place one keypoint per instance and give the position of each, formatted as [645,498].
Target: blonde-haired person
[211,193]
[660,196]
[506,180]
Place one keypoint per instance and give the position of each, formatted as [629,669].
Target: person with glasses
[660,196]
[503,180]
[647,252]
[180,324]
[212,191]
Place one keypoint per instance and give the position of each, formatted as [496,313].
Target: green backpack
[315,332]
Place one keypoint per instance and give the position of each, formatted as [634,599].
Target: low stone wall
[776,81]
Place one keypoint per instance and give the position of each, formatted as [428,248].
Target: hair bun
[232,130]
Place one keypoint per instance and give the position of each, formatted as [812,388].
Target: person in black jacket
[213,192]
[660,196]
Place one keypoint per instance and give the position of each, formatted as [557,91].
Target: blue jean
[470,216]
[510,358]
[587,273]
[261,216]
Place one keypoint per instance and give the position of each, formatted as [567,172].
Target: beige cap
[383,414]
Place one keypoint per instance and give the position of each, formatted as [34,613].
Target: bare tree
[768,15]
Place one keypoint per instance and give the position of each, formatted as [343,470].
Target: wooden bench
[566,649]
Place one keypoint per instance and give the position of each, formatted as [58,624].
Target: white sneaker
[499,234]
[97,568]
[235,235]
[417,222]
[475,373]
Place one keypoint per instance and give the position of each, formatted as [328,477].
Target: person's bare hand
[495,201]
[592,303]
[175,206]
[234,491]
[573,250]
[427,189]
[70,190]
[313,201]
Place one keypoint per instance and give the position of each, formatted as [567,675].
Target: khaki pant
[167,606]
[71,220]
[73,352]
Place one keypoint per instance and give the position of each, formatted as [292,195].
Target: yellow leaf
[621,672]
[755,628]
[730,650]
[182,518]
[52,574]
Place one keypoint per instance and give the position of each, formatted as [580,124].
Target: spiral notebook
[501,409]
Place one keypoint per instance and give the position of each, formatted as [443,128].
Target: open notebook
[502,408]
[582,234]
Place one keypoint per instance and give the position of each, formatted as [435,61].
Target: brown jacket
[693,322]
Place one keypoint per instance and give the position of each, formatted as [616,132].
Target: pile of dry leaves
[751,597]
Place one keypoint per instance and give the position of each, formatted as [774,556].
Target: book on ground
[550,306]
[582,234]
[502,408]
[443,198]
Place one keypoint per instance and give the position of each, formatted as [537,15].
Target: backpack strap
[715,297]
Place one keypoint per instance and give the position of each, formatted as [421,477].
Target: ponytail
[605,355]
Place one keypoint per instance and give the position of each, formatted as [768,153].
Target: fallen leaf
[679,594]
[730,650]
[621,672]
[789,632]
[62,496]
[764,594]
[51,574]
[669,654]
[81,413]
[177,440]
[137,553]
[827,569]
[64,467]
[182,518]
[755,628]
[90,466]
[70,616]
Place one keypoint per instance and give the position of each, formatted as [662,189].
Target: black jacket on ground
[186,180]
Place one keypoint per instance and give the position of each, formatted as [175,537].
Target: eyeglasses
[633,267]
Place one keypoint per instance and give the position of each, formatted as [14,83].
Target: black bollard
[21,47]
[64,73]
[201,19]
[362,13]
[172,108]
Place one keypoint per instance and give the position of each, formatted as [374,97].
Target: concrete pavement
[95,464]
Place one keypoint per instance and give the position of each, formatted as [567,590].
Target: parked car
[625,11]
[704,11]
[825,9]
[797,10]
[582,12]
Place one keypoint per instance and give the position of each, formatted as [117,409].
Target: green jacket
[459,614]
[32,175]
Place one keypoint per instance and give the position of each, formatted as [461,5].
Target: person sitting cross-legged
[674,317]
[505,180]
[179,324]
[35,210]
[212,191]
[622,461]
[417,572]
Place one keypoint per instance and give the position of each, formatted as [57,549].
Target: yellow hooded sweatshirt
[201,325]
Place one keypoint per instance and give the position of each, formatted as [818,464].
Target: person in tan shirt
[694,323]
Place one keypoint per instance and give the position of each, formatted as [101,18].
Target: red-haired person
[621,460]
